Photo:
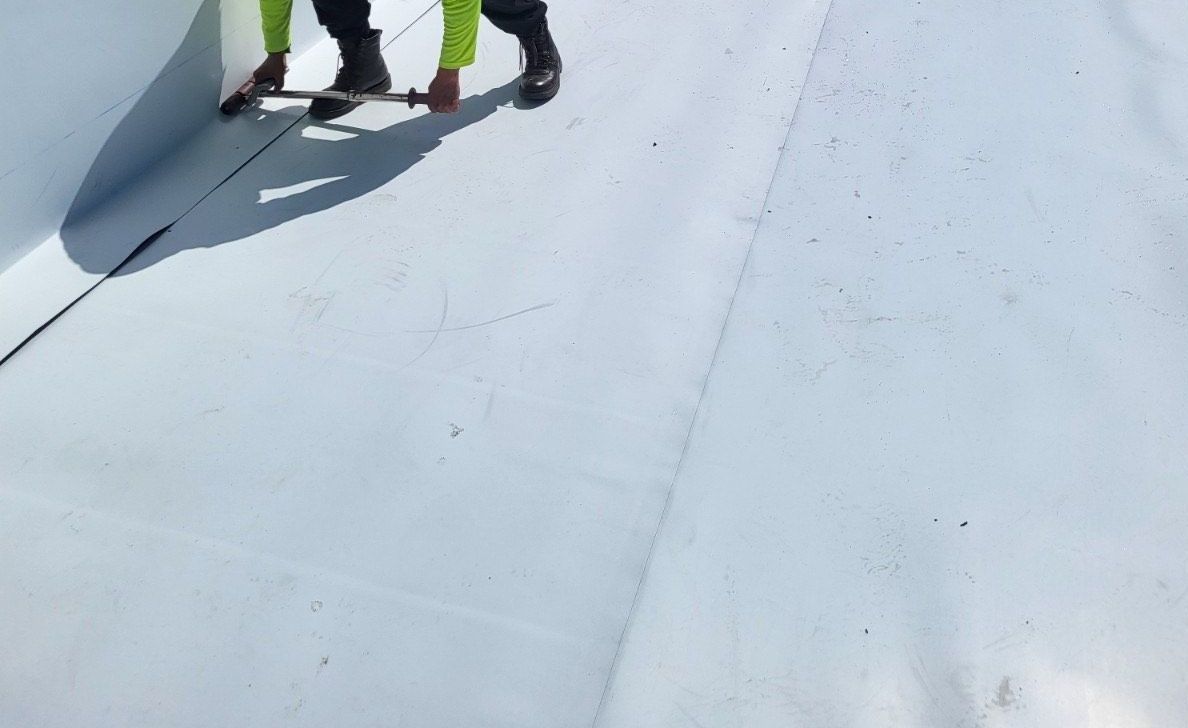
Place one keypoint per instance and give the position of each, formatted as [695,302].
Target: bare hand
[273,67]
[445,91]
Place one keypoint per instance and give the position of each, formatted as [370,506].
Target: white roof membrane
[802,363]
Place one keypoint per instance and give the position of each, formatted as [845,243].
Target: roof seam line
[615,661]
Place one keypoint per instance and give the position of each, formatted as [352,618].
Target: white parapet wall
[105,91]
[117,132]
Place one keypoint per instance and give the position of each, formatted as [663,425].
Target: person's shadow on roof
[325,173]
[110,216]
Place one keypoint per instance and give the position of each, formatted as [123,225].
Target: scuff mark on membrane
[537,307]
[445,309]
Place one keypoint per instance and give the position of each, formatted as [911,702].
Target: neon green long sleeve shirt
[458,40]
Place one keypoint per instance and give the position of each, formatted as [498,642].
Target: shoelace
[343,75]
[340,75]
[541,56]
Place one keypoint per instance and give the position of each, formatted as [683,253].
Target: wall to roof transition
[116,132]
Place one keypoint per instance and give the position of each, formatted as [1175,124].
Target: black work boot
[542,65]
[362,69]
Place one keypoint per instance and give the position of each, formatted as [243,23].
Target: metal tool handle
[250,92]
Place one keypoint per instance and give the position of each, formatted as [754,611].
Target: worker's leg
[518,17]
[344,19]
[361,66]
[542,63]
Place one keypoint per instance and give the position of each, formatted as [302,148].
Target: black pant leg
[344,19]
[518,17]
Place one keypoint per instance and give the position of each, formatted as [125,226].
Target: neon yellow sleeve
[461,32]
[274,17]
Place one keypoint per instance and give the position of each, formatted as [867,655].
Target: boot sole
[350,106]
[541,95]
